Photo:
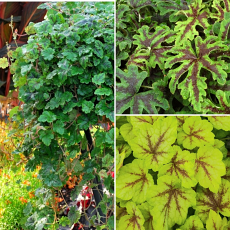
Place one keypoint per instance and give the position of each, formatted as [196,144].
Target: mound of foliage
[173,173]
[173,56]
[65,80]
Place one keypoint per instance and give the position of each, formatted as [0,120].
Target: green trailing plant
[173,172]
[172,56]
[65,79]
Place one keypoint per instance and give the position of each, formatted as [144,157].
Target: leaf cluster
[172,57]
[173,172]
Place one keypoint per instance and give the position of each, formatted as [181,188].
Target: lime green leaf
[99,78]
[119,160]
[87,106]
[58,127]
[46,136]
[227,227]
[209,167]
[227,165]
[180,122]
[181,166]
[124,147]
[196,132]
[146,211]
[126,131]
[133,181]
[134,220]
[4,63]
[219,202]
[47,116]
[192,223]
[117,133]
[220,122]
[219,145]
[215,222]
[170,202]
[152,142]
[138,121]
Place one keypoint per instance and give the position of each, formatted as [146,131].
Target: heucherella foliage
[181,48]
[174,172]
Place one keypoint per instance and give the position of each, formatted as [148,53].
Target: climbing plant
[65,80]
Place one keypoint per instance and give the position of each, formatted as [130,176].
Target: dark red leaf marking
[153,149]
[195,134]
[214,201]
[204,165]
[173,193]
[133,221]
[176,164]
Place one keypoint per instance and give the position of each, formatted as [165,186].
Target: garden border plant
[173,56]
[173,172]
[65,79]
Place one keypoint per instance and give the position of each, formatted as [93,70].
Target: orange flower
[58,199]
[35,175]
[8,176]
[23,200]
[31,194]
[26,182]
[38,167]
[8,202]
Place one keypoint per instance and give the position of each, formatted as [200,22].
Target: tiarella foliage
[173,172]
[173,56]
[65,79]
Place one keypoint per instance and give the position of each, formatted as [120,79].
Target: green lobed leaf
[197,14]
[99,78]
[181,166]
[128,97]
[87,106]
[215,222]
[196,132]
[194,86]
[152,142]
[46,136]
[134,220]
[220,122]
[218,202]
[73,215]
[193,222]
[209,167]
[170,202]
[47,116]
[48,53]
[133,184]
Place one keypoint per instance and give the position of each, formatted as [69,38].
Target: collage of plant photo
[115,115]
